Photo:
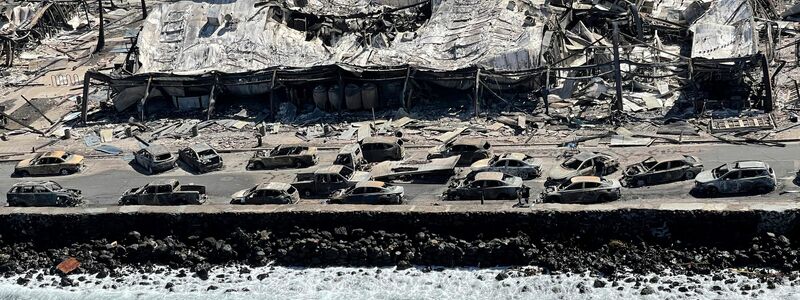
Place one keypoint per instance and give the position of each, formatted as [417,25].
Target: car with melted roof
[42,193]
[327,180]
[661,170]
[469,149]
[283,156]
[583,190]
[516,164]
[50,163]
[201,158]
[583,164]
[351,156]
[487,186]
[267,193]
[748,176]
[370,192]
[382,148]
[155,158]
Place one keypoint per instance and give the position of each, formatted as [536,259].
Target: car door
[358,195]
[24,195]
[591,192]
[751,180]
[164,195]
[40,166]
[677,170]
[149,196]
[587,168]
[729,182]
[660,173]
[572,193]
[42,196]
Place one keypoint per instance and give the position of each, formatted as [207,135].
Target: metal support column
[101,39]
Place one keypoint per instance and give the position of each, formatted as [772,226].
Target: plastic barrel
[369,96]
[320,96]
[352,96]
[335,97]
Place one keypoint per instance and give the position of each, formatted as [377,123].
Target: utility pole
[101,40]
[617,106]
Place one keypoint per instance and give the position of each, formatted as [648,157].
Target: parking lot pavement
[104,180]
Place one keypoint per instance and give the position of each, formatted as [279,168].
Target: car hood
[360,176]
[436,149]
[396,189]
[24,163]
[239,194]
[560,173]
[74,159]
[705,176]
[483,163]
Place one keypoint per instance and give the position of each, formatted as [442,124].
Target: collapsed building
[24,23]
[592,60]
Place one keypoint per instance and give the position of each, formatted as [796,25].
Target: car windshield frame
[720,171]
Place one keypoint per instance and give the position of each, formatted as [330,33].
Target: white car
[516,164]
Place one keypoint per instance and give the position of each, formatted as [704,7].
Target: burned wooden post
[212,99]
[405,87]
[143,102]
[617,106]
[144,10]
[101,40]
[767,103]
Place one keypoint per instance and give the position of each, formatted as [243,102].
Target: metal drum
[369,96]
[320,96]
[335,97]
[352,96]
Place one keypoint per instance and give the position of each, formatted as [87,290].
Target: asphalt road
[104,180]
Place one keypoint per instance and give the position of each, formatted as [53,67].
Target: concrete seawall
[726,228]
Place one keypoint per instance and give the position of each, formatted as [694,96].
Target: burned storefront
[596,61]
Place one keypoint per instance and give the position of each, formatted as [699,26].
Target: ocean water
[387,283]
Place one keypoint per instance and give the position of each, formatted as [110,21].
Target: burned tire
[298,164]
[64,172]
[603,198]
[257,166]
[306,193]
[689,175]
[641,183]
[23,174]
[711,191]
[762,189]
[552,199]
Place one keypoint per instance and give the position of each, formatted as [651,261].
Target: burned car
[283,156]
[583,164]
[516,164]
[370,192]
[737,177]
[267,193]
[487,186]
[350,156]
[583,189]
[662,170]
[168,192]
[50,163]
[382,148]
[155,158]
[42,193]
[471,150]
[201,157]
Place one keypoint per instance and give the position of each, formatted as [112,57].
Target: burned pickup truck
[327,180]
[438,169]
[169,192]
[283,156]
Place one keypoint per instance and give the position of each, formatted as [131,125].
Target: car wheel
[603,199]
[257,166]
[689,175]
[763,189]
[24,174]
[455,197]
[640,183]
[711,191]
[64,172]
[307,193]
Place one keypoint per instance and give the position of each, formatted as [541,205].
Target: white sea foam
[378,283]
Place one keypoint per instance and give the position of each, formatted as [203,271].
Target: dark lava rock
[134,236]
[599,283]
[212,287]
[403,264]
[582,288]
[501,276]
[23,281]
[65,281]
[169,285]
[647,290]
[102,274]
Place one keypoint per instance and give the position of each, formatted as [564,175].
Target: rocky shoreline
[365,248]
